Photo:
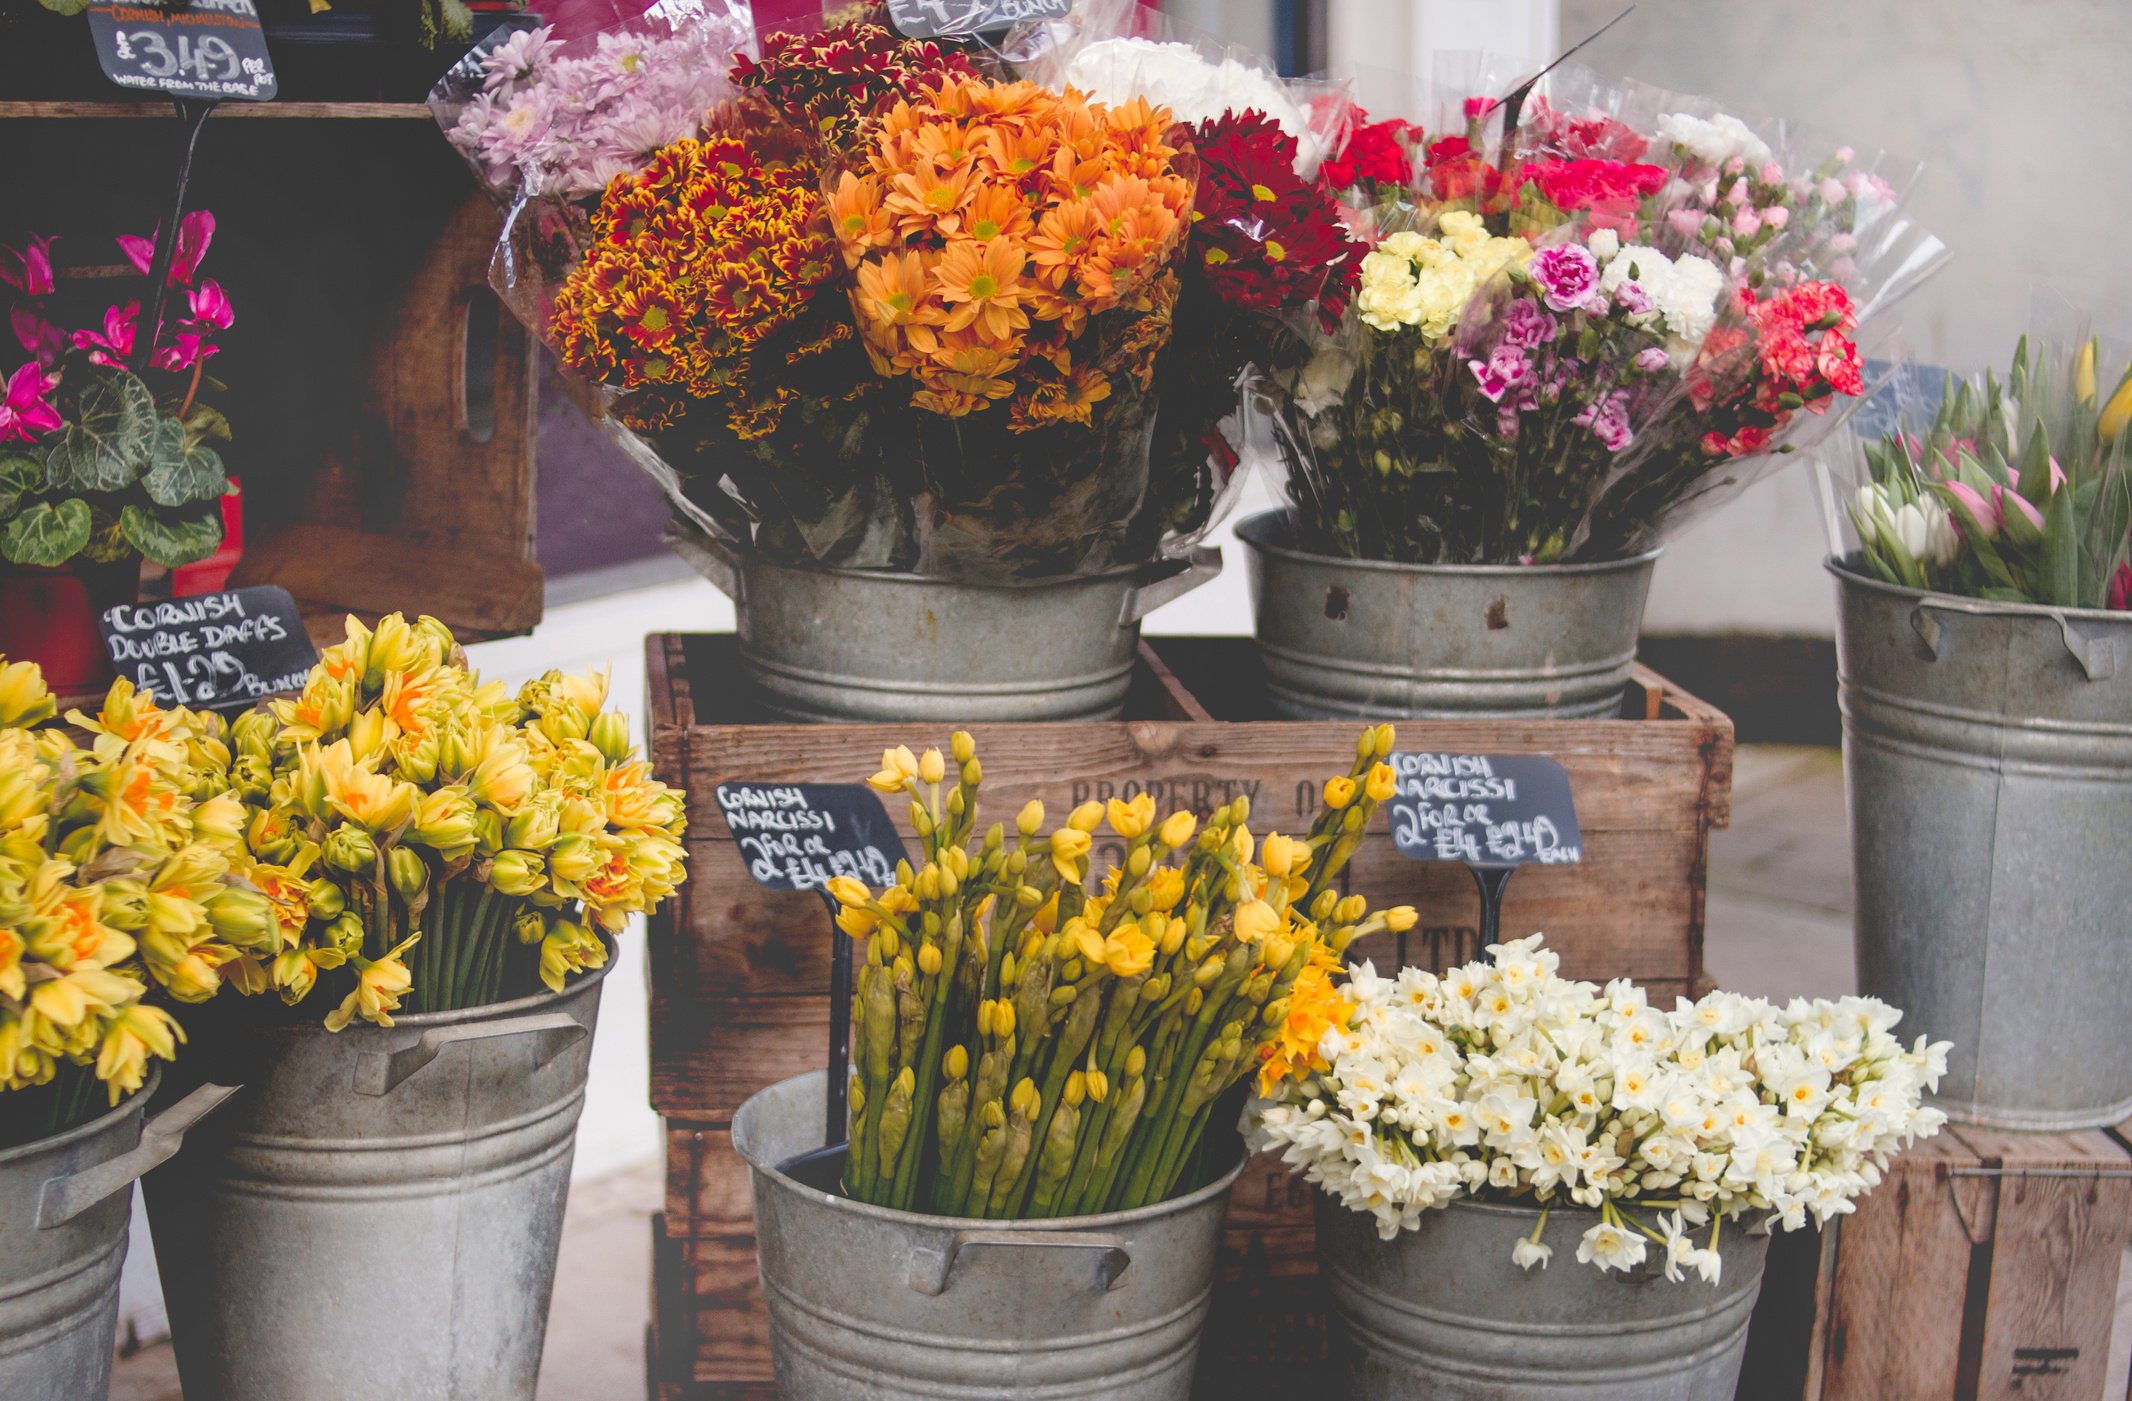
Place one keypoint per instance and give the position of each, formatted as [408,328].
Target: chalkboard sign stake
[837,1129]
[192,115]
[1491,880]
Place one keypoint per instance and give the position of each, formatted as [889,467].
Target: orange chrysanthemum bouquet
[876,308]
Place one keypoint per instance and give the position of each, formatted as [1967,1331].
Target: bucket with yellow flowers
[444,863]
[118,891]
[1047,1065]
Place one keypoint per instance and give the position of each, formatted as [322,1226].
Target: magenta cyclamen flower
[1568,275]
[27,413]
[1526,325]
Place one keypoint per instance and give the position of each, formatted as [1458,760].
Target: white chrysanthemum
[1194,88]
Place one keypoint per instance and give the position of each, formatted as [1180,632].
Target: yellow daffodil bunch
[120,881]
[1029,1041]
[415,826]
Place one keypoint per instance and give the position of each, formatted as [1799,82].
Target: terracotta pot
[48,616]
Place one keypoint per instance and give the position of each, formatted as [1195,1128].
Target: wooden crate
[1987,1265]
[739,974]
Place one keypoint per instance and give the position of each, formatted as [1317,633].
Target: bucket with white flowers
[1466,1129]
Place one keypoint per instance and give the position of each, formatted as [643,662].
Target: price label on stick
[933,19]
[1491,813]
[203,50]
[214,651]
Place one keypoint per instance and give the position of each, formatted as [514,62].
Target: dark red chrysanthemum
[837,82]
[1262,236]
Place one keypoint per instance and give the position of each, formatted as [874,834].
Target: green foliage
[47,534]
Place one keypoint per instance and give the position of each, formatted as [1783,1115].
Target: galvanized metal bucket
[376,1217]
[1988,756]
[1441,1314]
[1367,639]
[64,1205]
[895,1306]
[857,644]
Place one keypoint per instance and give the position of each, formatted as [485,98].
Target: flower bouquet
[1982,632]
[1441,1115]
[106,445]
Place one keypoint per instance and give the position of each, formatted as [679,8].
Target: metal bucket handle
[932,1265]
[1175,579]
[381,1072]
[709,555]
[2097,655]
[68,1196]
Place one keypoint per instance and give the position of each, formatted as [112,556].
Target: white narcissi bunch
[1681,293]
[1194,87]
[1413,279]
[1715,140]
[1504,1081]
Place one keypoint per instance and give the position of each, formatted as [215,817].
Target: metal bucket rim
[1840,566]
[1257,531]
[1046,1225]
[1118,574]
[132,1104]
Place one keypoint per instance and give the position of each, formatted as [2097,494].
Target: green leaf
[69,8]
[193,475]
[47,534]
[20,478]
[108,444]
[2060,581]
[107,543]
[203,423]
[173,537]
[2036,467]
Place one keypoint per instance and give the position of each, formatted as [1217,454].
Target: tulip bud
[350,849]
[1086,818]
[1176,829]
[409,872]
[610,735]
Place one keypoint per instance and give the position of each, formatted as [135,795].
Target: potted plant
[1462,1128]
[1027,1201]
[117,894]
[106,449]
[905,441]
[1985,663]
[1571,332]
[447,864]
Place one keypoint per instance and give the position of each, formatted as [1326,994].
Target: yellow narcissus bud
[1257,921]
[1283,856]
[1240,808]
[1382,783]
[927,886]
[1400,918]
[1136,864]
[1275,952]
[220,818]
[985,1015]
[1173,935]
[1135,1062]
[1385,737]
[1025,1099]
[1009,970]
[849,890]
[1339,792]
[517,873]
[1068,846]
[350,849]
[949,881]
[610,735]
[1076,1088]
[1131,820]
[898,767]
[345,933]
[244,918]
[856,920]
[1003,1019]
[931,767]
[323,900]
[929,959]
[956,1063]
[963,746]
[531,927]
[921,820]
[1029,818]
[24,698]
[1193,1001]
[1350,908]
[1097,1085]
[973,773]
[1085,818]
[1177,829]
[1243,845]
[409,873]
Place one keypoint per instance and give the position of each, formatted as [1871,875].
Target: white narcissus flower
[1528,1253]
[1611,1247]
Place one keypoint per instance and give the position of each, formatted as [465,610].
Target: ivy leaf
[109,442]
[47,534]
[194,474]
[172,538]
[21,477]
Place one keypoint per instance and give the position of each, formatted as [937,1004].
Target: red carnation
[1375,153]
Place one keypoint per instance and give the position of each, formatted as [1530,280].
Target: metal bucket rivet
[1988,758]
[1440,1313]
[856,644]
[898,1306]
[376,1218]
[1366,639]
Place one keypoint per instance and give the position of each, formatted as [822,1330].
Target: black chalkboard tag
[212,651]
[796,836]
[1491,813]
[949,19]
[204,50]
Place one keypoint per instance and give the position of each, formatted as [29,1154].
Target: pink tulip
[2000,495]
[1986,517]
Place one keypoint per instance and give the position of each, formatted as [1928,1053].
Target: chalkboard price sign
[213,651]
[795,836]
[204,50]
[931,19]
[1484,810]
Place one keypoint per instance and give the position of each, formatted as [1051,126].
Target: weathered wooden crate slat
[739,973]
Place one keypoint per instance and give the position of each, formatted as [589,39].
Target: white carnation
[1715,141]
[1194,88]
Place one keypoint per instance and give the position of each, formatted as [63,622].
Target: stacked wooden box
[739,975]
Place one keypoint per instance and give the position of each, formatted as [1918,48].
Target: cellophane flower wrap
[123,891]
[883,307]
[1581,320]
[1502,1081]
[431,841]
[1030,1041]
[2017,490]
